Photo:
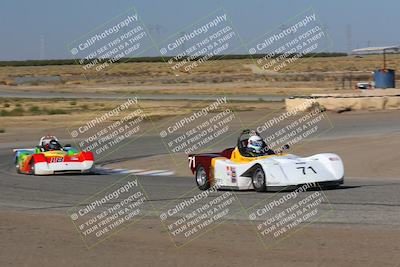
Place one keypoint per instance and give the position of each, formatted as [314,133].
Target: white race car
[233,169]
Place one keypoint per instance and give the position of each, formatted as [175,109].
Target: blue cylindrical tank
[384,78]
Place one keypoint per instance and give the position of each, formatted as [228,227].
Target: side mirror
[285,147]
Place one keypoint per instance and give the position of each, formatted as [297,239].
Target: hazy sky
[37,29]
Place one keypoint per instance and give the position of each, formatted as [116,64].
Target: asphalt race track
[361,200]
[52,95]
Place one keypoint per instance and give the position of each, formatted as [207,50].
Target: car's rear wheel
[202,180]
[258,180]
[92,170]
[32,167]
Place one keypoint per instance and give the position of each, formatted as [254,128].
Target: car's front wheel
[202,180]
[258,180]
[17,167]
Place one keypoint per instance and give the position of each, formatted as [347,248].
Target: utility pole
[42,49]
[182,33]
[349,36]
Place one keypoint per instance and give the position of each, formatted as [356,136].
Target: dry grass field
[226,77]
[28,116]
[304,76]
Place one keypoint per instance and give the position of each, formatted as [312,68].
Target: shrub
[34,109]
[15,112]
[55,111]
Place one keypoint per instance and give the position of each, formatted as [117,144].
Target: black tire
[258,179]
[330,187]
[201,178]
[90,171]
[17,169]
[32,165]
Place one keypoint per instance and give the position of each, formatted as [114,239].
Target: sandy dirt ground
[50,240]
[43,239]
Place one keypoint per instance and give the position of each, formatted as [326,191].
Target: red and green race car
[50,157]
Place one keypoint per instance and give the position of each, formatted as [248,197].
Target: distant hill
[147,59]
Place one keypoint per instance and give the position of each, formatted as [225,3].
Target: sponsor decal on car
[56,159]
[231,171]
[233,174]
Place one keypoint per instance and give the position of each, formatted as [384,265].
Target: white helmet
[255,143]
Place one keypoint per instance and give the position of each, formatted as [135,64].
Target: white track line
[105,170]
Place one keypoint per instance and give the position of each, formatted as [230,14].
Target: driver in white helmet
[256,147]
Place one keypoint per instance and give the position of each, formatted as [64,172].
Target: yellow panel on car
[238,158]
